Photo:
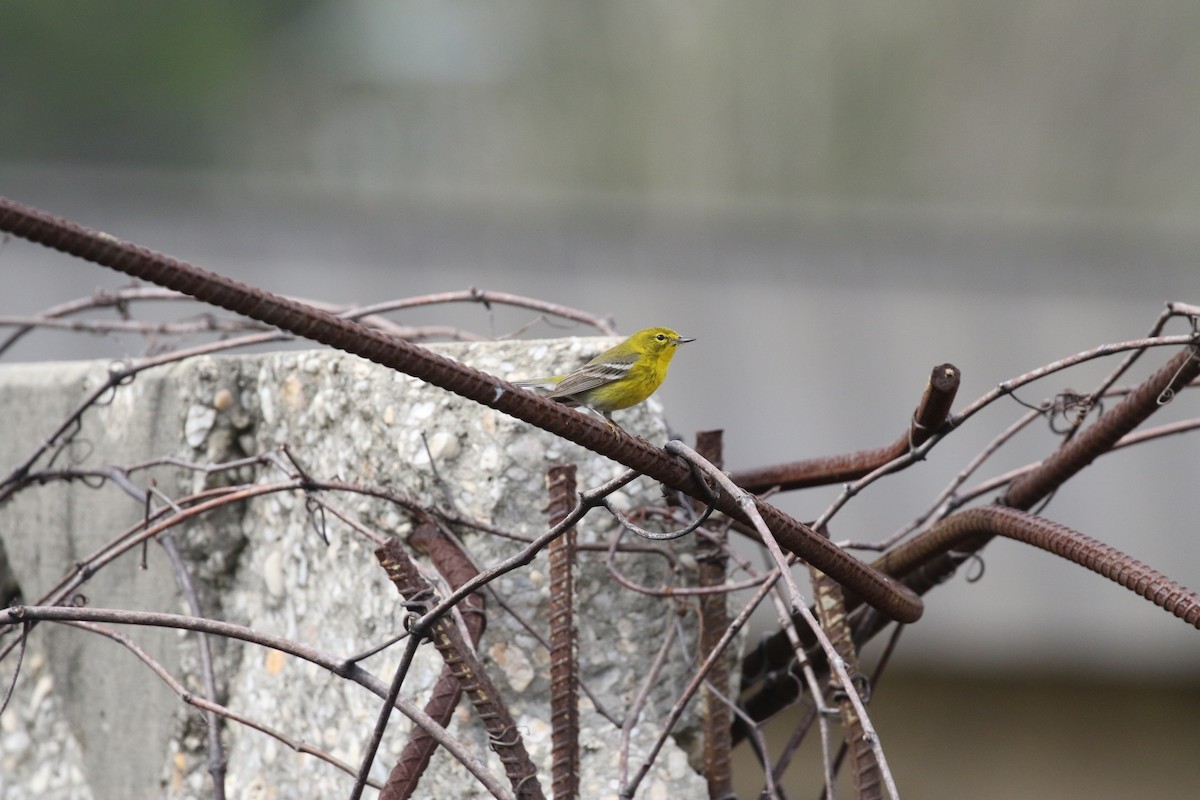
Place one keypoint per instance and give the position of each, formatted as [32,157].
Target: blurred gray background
[832,196]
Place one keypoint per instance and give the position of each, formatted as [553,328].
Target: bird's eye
[661,337]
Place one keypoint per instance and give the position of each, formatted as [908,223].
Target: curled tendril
[520,787]
[710,507]
[1072,407]
[1168,394]
[120,373]
[977,562]
[862,685]
[316,513]
[657,536]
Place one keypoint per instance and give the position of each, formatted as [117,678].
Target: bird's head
[655,341]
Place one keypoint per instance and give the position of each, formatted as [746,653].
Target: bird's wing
[542,384]
[592,375]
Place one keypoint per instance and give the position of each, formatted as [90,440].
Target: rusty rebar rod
[1098,438]
[712,561]
[476,683]
[457,569]
[830,607]
[925,567]
[922,562]
[303,320]
[564,662]
[932,556]
[931,413]
[960,530]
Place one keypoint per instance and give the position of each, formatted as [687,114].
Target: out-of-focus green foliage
[132,80]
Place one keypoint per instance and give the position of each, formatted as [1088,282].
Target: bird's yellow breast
[643,380]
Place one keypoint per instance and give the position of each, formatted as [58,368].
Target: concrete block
[90,709]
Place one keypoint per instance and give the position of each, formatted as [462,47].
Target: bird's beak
[684,339]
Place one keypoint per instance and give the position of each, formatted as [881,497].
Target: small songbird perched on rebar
[618,378]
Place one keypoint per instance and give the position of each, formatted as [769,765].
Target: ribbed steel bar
[564,662]
[712,561]
[457,569]
[892,599]
[931,557]
[932,411]
[502,729]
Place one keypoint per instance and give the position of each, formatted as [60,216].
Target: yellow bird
[618,378]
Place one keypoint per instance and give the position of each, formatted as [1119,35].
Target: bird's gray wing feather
[591,375]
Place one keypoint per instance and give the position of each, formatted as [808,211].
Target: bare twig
[603,324]
[798,605]
[401,672]
[216,752]
[210,707]
[634,712]
[629,788]
[788,623]
[336,666]
[1106,431]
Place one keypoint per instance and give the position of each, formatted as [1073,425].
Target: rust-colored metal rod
[931,557]
[957,530]
[931,413]
[830,606]
[713,570]
[927,561]
[303,320]
[927,554]
[923,561]
[1101,435]
[564,662]
[476,683]
[457,569]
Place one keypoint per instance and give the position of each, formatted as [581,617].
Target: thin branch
[336,666]
[634,712]
[210,708]
[216,752]
[799,606]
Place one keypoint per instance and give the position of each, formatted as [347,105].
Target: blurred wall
[833,197]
